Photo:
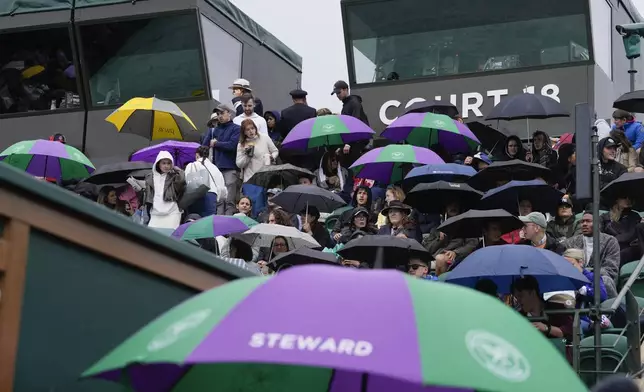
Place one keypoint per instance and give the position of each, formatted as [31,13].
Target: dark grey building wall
[574,85]
[271,78]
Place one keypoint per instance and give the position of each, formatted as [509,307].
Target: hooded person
[164,186]
[272,118]
[632,129]
[609,168]
[330,174]
[542,152]
[513,149]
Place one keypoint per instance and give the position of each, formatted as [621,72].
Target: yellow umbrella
[152,119]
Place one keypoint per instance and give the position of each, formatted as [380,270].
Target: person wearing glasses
[420,269]
[280,245]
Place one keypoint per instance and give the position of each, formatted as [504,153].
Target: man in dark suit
[291,116]
[296,113]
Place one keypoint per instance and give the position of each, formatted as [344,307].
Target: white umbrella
[263,234]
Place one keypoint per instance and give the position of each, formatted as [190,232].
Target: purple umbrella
[428,129]
[182,152]
[390,164]
[332,130]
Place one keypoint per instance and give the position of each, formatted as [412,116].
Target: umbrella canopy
[505,263]
[432,198]
[388,164]
[629,185]
[566,138]
[303,256]
[297,198]
[513,170]
[491,138]
[526,106]
[429,129]
[182,152]
[153,119]
[397,251]
[313,338]
[451,172]
[286,175]
[263,234]
[44,158]
[213,226]
[543,197]
[632,101]
[434,106]
[118,173]
[331,130]
[471,223]
[168,233]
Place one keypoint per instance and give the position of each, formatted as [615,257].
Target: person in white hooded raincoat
[164,187]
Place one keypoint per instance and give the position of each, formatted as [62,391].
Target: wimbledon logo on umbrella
[357,348]
[439,123]
[498,356]
[328,128]
[397,156]
[178,330]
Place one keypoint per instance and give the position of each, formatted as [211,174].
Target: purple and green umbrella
[390,164]
[297,332]
[331,130]
[49,159]
[213,226]
[429,129]
[182,152]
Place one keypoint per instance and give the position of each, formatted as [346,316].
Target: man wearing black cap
[291,116]
[296,113]
[351,106]
[609,168]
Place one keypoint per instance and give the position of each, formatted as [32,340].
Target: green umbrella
[298,332]
[213,226]
[49,159]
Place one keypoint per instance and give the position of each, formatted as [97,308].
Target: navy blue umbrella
[543,197]
[525,106]
[450,172]
[503,264]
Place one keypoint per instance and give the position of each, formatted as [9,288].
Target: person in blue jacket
[632,129]
[223,140]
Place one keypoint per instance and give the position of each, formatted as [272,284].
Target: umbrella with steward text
[298,331]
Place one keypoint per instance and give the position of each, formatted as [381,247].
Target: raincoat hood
[548,142]
[273,113]
[160,156]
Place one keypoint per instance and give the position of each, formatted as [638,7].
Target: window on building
[224,59]
[143,58]
[407,39]
[36,71]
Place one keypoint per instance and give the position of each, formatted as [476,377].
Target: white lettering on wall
[470,102]
[473,106]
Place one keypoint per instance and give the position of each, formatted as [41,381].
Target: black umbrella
[303,256]
[439,107]
[394,251]
[629,185]
[118,173]
[471,223]
[433,197]
[490,138]
[543,197]
[285,175]
[631,102]
[504,171]
[527,106]
[297,198]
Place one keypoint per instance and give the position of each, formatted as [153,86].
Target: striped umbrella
[153,119]
[331,130]
[213,226]
[388,164]
[48,159]
[429,129]
[298,331]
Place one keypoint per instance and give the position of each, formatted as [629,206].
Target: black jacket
[610,170]
[623,230]
[293,115]
[352,106]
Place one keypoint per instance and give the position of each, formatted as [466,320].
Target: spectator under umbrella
[399,223]
[359,222]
